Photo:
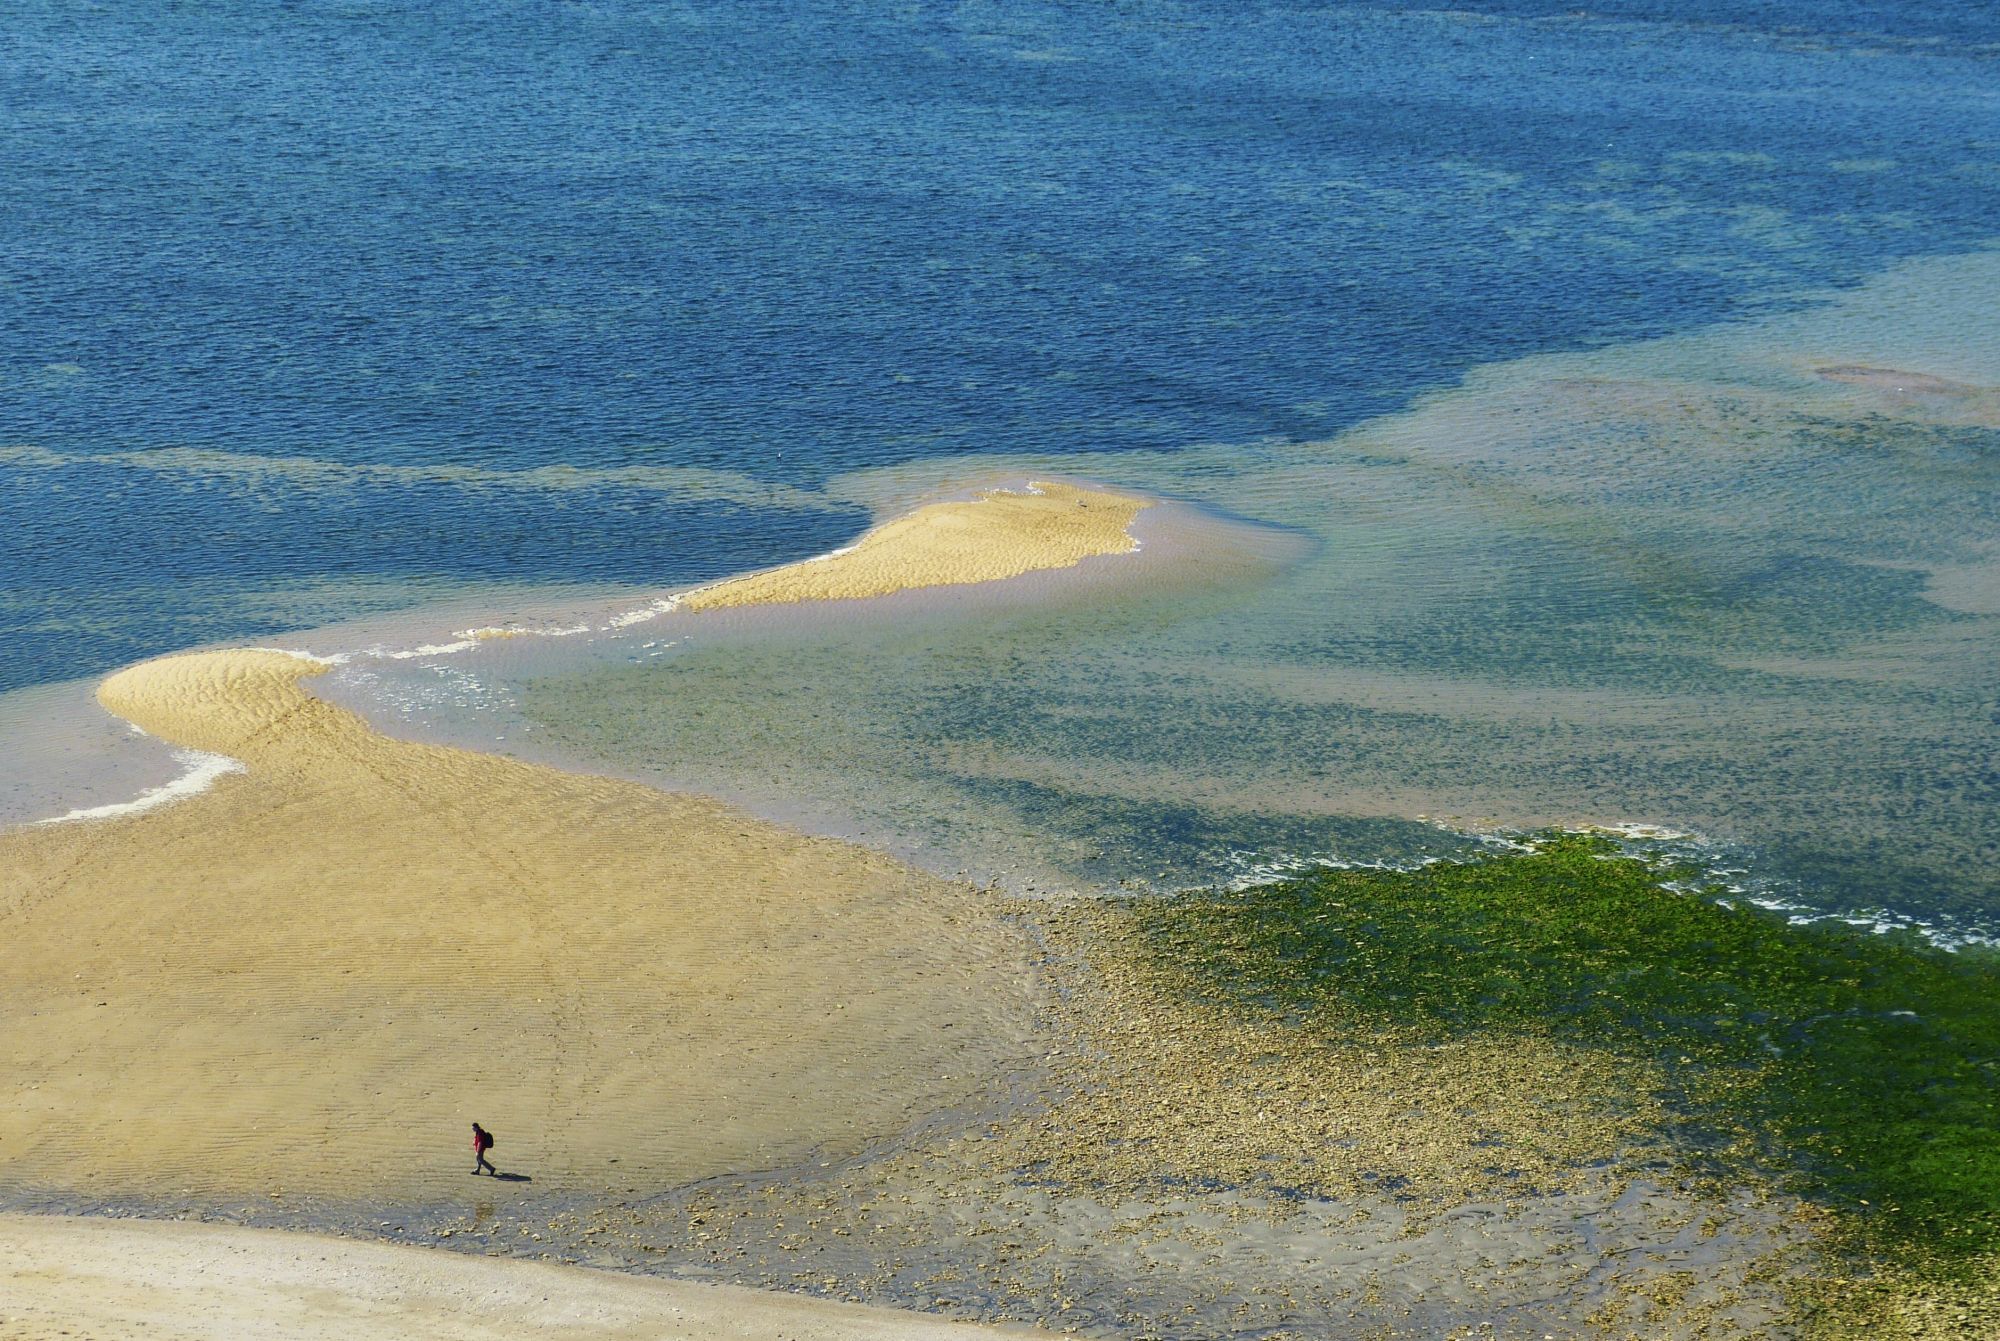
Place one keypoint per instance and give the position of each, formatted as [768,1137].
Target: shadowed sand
[1000,534]
[116,1279]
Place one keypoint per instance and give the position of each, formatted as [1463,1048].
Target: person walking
[482,1141]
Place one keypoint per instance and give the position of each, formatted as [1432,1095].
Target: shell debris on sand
[1183,1169]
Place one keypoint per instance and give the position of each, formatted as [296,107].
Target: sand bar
[120,1280]
[999,534]
[313,977]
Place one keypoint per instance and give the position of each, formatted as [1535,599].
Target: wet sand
[712,1045]
[119,1280]
[1193,1169]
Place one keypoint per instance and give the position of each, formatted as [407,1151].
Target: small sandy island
[1894,379]
[999,534]
[1921,395]
[123,1280]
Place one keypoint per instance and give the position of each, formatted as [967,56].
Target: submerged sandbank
[116,1279]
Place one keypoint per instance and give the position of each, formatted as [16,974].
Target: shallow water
[1692,583]
[334,314]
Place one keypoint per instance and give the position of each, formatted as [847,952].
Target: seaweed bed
[1854,1069]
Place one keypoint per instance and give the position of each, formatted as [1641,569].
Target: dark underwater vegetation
[1856,1070]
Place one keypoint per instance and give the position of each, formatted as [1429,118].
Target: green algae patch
[1863,1071]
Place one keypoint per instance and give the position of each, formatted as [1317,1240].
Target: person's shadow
[513,1178]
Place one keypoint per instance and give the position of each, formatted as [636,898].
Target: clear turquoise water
[312,311]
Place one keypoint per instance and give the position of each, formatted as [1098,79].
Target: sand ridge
[1000,534]
[311,978]
[114,1280]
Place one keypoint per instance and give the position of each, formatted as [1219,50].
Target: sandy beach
[119,1280]
[313,976]
[710,1044]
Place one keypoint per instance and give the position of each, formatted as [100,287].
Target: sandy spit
[121,1280]
[313,977]
[1000,534]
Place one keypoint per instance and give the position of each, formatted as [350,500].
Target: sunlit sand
[114,1280]
[313,976]
[999,534]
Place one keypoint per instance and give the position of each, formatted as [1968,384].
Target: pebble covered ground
[1176,1165]
[1179,1169]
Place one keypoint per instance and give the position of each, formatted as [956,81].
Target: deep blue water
[789,240]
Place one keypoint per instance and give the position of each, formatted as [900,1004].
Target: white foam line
[667,604]
[337,659]
[640,616]
[1882,923]
[468,639]
[834,553]
[426,650]
[489,632]
[1944,936]
[1282,869]
[203,769]
[1657,833]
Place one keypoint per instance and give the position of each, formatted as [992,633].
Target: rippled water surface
[1614,391]
[1700,583]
